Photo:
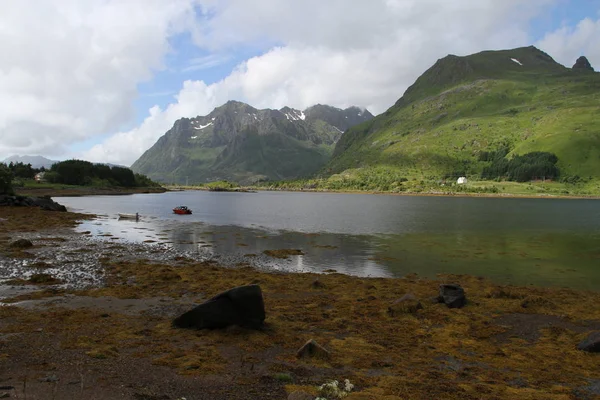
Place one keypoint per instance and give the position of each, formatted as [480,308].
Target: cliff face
[241,143]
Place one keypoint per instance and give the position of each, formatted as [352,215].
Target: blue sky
[166,84]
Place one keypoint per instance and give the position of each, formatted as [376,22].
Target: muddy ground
[97,325]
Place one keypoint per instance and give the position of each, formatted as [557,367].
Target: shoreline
[85,191]
[508,341]
[252,189]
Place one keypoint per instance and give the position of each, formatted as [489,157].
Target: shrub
[526,167]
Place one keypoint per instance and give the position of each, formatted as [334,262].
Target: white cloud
[206,62]
[342,53]
[566,44]
[69,69]
[76,76]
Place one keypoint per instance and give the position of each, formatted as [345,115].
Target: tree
[5,180]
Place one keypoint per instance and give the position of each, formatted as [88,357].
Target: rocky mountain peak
[582,63]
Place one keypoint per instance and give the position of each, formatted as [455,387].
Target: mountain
[35,161]
[240,143]
[516,101]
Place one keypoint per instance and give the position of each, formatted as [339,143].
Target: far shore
[251,189]
[72,191]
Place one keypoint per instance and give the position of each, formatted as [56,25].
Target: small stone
[317,284]
[300,395]
[406,304]
[51,378]
[21,244]
[591,343]
[312,349]
[453,296]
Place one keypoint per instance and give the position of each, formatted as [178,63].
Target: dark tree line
[24,171]
[535,165]
[79,172]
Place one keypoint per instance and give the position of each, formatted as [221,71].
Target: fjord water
[544,242]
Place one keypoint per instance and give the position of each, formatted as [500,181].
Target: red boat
[182,210]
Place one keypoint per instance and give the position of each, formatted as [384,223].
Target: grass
[390,179]
[440,127]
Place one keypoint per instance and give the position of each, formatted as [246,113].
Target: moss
[283,253]
[467,353]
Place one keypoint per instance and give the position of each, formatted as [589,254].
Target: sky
[102,80]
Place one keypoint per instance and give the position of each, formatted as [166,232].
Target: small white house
[39,177]
[462,180]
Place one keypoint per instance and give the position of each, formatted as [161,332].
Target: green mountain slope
[237,142]
[462,106]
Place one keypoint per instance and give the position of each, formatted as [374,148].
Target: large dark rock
[582,63]
[453,296]
[242,306]
[45,203]
[591,343]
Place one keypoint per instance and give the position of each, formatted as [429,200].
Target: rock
[591,343]
[406,304]
[242,306]
[46,203]
[300,395]
[4,395]
[582,63]
[21,244]
[312,349]
[453,296]
[536,301]
[317,284]
[50,379]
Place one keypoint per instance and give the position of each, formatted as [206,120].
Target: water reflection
[546,259]
[515,241]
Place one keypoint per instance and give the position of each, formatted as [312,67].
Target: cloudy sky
[102,80]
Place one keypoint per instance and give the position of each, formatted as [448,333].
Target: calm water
[547,242]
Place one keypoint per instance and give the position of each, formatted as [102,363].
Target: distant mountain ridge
[40,161]
[35,161]
[241,143]
[462,107]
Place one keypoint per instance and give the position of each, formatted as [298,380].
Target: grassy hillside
[463,106]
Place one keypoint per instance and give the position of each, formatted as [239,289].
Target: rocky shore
[74,191]
[103,328]
[45,203]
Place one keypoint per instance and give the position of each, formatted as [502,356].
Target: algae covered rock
[242,306]
[406,304]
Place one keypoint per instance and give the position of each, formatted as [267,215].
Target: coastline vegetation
[382,179]
[72,177]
